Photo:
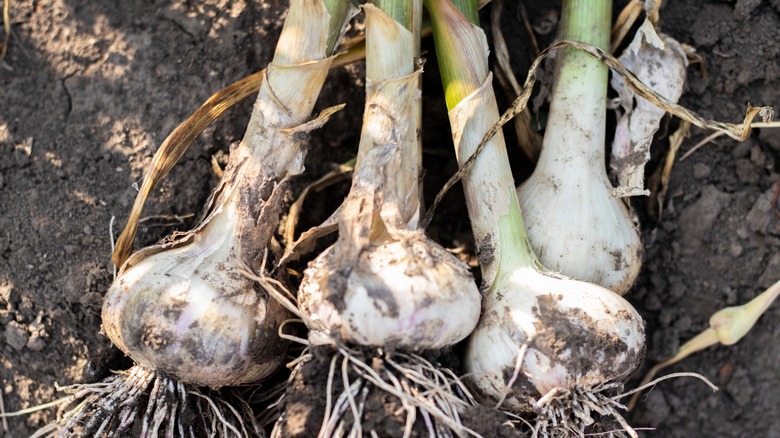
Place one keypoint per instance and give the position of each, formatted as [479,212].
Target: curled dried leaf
[655,59]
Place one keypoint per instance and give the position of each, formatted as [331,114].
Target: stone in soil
[697,218]
[16,335]
[772,272]
[760,215]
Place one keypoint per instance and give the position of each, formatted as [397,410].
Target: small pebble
[701,170]
[697,219]
[760,214]
[735,249]
[16,335]
[36,343]
[87,230]
[740,388]
[747,173]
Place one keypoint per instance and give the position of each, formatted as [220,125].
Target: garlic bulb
[408,293]
[184,307]
[188,312]
[575,225]
[575,334]
[384,283]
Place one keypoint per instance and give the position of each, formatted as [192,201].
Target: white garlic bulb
[576,334]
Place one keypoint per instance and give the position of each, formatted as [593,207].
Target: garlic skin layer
[410,294]
[188,312]
[577,227]
[576,334]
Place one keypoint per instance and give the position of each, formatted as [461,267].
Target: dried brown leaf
[343,173]
[675,141]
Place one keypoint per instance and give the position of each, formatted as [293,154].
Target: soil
[88,90]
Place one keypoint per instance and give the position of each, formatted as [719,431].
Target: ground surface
[90,89]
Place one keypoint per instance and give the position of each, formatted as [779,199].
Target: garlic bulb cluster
[575,225]
[384,282]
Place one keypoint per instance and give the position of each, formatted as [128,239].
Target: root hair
[141,402]
[432,396]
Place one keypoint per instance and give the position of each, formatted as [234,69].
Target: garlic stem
[340,12]
[576,123]
[489,186]
[460,76]
[292,85]
[469,9]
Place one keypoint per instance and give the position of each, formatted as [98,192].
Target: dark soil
[88,90]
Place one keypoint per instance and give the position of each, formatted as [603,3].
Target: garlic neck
[384,197]
[516,251]
[291,85]
[576,124]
